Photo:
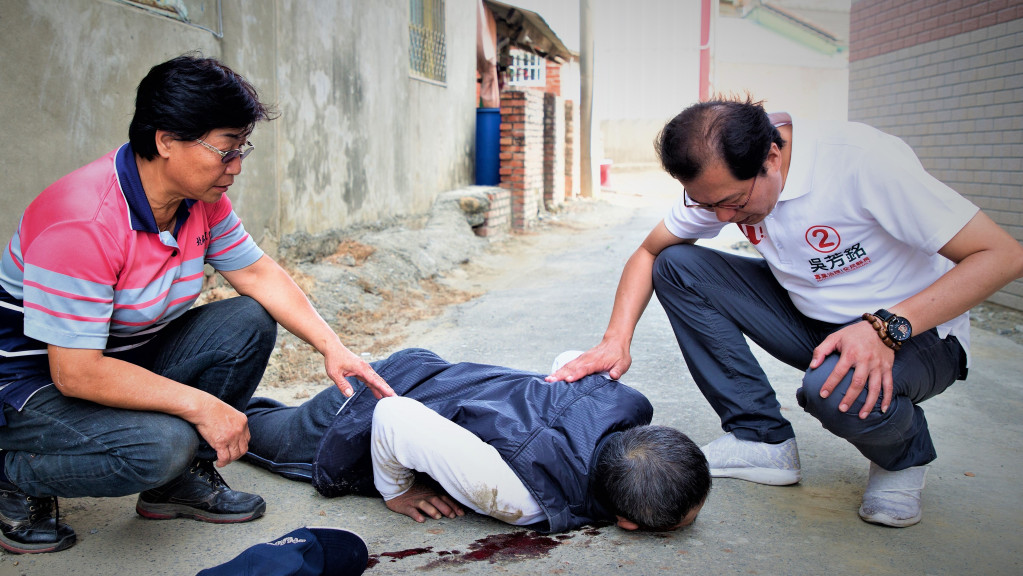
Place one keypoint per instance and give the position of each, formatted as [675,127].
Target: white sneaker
[760,462]
[893,498]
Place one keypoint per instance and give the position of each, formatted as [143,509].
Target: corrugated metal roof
[528,30]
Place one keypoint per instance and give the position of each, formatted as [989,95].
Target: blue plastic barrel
[488,146]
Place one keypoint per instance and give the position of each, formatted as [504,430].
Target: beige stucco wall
[358,139]
[783,73]
[648,71]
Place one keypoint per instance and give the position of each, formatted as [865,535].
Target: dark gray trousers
[714,298]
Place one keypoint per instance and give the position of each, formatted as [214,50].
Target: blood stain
[395,556]
[498,547]
[502,547]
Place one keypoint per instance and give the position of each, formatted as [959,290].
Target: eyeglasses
[711,207]
[228,155]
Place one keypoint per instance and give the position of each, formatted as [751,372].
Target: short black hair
[738,132]
[651,475]
[189,96]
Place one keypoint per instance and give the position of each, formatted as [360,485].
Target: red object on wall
[605,173]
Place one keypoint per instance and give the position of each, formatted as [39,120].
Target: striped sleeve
[230,247]
[69,292]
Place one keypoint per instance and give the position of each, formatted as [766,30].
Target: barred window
[526,68]
[427,46]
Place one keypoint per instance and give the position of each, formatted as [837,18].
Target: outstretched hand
[423,500]
[861,350]
[604,357]
[344,363]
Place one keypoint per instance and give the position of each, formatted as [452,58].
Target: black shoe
[27,526]
[200,493]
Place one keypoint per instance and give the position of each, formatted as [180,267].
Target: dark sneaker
[30,525]
[200,493]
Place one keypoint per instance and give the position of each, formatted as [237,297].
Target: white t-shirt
[856,228]
[408,437]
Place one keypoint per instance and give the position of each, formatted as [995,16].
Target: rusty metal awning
[528,30]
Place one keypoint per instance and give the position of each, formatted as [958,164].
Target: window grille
[427,46]
[526,68]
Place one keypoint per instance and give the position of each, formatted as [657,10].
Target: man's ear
[774,156]
[626,524]
[164,141]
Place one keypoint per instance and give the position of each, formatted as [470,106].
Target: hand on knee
[843,423]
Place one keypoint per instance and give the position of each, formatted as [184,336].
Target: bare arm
[89,375]
[631,298]
[987,258]
[271,286]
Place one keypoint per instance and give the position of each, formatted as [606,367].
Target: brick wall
[947,77]
[497,218]
[881,26]
[553,150]
[522,153]
[553,75]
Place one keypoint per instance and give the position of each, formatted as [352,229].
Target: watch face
[899,329]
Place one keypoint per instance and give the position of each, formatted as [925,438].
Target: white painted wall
[786,75]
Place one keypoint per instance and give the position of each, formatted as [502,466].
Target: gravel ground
[998,319]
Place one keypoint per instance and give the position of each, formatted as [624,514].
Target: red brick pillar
[553,75]
[522,154]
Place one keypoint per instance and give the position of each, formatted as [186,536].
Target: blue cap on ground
[309,551]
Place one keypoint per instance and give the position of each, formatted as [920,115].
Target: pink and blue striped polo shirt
[88,268]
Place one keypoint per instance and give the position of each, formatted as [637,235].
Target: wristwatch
[893,330]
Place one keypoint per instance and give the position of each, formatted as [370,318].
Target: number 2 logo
[823,239]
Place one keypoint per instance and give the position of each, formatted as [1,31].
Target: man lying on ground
[502,442]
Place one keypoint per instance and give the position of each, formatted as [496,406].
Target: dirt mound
[368,283]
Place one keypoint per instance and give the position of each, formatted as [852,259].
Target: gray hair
[652,475]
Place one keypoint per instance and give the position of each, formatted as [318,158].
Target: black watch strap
[884,315]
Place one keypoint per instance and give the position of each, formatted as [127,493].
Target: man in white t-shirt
[869,268]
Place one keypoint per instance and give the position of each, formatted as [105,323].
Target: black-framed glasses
[711,207]
[228,155]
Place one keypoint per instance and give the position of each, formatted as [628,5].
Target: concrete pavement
[552,290]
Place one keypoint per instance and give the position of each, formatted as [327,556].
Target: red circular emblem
[823,239]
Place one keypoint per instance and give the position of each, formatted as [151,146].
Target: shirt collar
[797,182]
[140,213]
[599,506]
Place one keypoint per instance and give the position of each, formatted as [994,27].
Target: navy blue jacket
[547,432]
